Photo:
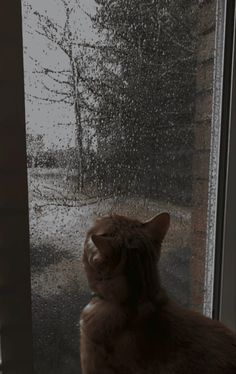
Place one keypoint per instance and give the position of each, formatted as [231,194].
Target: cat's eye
[116,120]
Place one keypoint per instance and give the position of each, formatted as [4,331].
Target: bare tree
[65,85]
[35,146]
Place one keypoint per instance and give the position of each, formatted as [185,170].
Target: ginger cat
[131,326]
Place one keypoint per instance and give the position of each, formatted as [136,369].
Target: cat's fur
[131,326]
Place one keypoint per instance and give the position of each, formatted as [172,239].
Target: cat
[131,326]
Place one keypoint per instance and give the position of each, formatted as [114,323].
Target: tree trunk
[78,127]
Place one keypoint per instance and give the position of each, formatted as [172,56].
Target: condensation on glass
[122,114]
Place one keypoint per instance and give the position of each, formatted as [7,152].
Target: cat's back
[170,341]
[203,345]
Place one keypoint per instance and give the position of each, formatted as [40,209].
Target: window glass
[122,115]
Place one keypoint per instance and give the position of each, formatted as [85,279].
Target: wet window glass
[122,115]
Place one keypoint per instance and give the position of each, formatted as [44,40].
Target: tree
[149,69]
[135,86]
[35,147]
[67,86]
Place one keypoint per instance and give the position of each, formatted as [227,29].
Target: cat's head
[120,256]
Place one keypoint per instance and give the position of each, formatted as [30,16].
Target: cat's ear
[103,243]
[158,226]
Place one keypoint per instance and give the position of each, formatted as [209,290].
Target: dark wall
[15,306]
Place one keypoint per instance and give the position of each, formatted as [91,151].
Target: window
[124,107]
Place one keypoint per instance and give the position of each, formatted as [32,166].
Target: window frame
[15,290]
[224,297]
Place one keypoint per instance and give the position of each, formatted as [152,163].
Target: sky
[54,120]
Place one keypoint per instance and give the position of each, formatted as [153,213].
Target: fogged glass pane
[119,98]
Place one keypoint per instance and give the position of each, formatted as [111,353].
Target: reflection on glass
[118,105]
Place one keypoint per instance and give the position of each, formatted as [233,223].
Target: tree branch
[53,90]
[57,37]
[48,72]
[49,100]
